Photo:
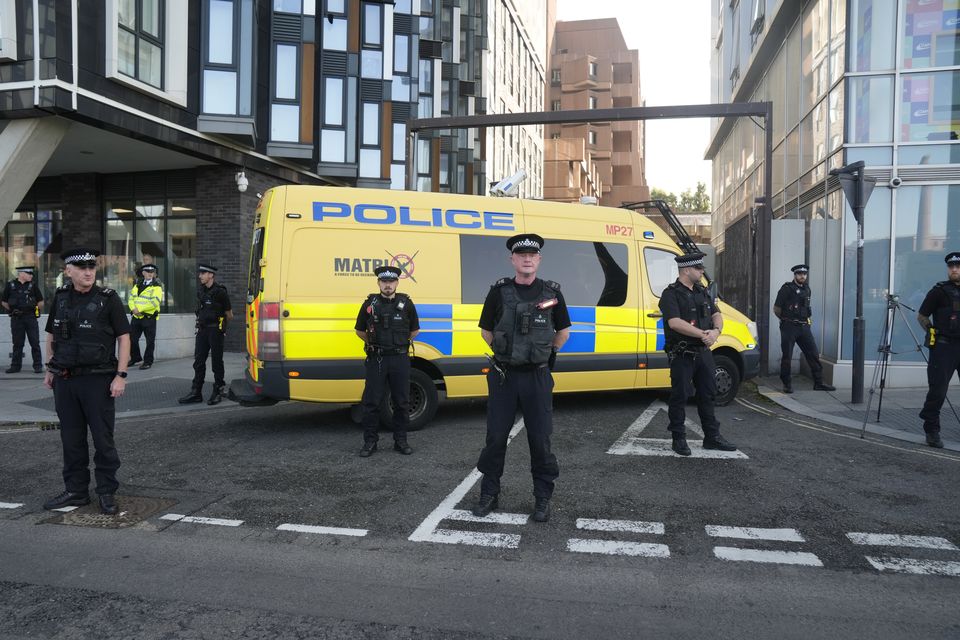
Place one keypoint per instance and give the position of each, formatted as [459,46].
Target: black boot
[190,398]
[485,505]
[368,449]
[680,446]
[217,395]
[402,447]
[38,368]
[108,505]
[933,440]
[719,443]
[541,510]
[822,386]
[787,386]
[14,367]
[67,499]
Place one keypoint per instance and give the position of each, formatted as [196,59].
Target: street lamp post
[857,189]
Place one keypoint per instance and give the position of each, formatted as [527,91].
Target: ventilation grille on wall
[371,90]
[286,27]
[431,49]
[401,111]
[334,62]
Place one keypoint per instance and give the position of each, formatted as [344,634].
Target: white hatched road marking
[618,548]
[631,444]
[330,531]
[916,567]
[198,520]
[428,531]
[893,540]
[632,526]
[751,533]
[495,517]
[10,505]
[66,509]
[773,557]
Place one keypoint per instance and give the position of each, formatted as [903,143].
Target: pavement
[24,399]
[154,392]
[898,410]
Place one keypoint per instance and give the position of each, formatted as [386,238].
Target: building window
[335,26]
[592,102]
[8,30]
[592,137]
[929,109]
[140,40]
[228,58]
[333,102]
[555,105]
[593,69]
[285,110]
[370,141]
[156,231]
[555,75]
[33,236]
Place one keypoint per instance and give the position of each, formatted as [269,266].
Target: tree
[697,201]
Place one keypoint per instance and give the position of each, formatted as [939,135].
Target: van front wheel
[424,401]
[728,380]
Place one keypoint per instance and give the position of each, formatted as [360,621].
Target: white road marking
[774,557]
[504,540]
[198,520]
[917,567]
[631,444]
[494,517]
[633,526]
[330,531]
[65,509]
[751,533]
[618,548]
[893,540]
[10,505]
[428,532]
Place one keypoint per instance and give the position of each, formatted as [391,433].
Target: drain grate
[133,509]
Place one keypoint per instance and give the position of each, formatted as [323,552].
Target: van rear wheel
[728,380]
[424,401]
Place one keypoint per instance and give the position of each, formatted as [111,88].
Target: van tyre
[728,380]
[424,401]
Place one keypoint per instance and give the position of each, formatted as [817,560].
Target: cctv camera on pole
[857,189]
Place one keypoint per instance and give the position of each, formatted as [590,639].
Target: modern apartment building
[870,80]
[146,128]
[592,68]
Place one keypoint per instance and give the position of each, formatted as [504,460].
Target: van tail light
[268,332]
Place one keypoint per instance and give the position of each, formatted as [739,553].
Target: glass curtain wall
[33,238]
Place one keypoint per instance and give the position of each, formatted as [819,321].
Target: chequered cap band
[692,262]
[526,243]
[81,257]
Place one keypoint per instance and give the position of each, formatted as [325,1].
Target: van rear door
[657,270]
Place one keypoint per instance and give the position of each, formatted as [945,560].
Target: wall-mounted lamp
[242,181]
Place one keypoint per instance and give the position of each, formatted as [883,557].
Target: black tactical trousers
[532,392]
[84,402]
[25,326]
[146,327]
[386,372]
[693,375]
[793,333]
[209,339]
[944,362]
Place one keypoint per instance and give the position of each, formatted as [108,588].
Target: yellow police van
[313,254]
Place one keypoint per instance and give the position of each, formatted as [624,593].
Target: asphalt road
[639,544]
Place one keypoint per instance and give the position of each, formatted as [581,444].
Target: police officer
[691,325]
[387,324]
[792,306]
[213,315]
[23,301]
[89,345]
[525,321]
[144,303]
[943,304]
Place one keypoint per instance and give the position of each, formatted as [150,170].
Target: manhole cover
[133,509]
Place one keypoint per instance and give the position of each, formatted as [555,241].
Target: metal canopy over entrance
[761,284]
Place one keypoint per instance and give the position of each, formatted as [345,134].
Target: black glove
[553,358]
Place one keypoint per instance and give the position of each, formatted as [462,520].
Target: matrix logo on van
[385,214]
[347,266]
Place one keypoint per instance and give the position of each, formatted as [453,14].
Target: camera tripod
[894,306]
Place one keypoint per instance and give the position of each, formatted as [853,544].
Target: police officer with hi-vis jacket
[144,303]
[691,325]
[23,301]
[525,321]
[214,313]
[939,315]
[387,323]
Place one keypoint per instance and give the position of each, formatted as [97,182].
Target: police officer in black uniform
[214,313]
[792,306]
[691,325]
[88,339]
[387,324]
[943,304]
[525,321]
[23,301]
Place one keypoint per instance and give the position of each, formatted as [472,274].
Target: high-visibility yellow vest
[145,299]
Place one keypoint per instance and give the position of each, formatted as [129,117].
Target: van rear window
[255,283]
[591,274]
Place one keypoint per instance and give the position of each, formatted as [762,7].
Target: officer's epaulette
[943,283]
[553,285]
[501,282]
[65,287]
[404,296]
[108,292]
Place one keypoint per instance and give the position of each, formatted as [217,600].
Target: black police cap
[387,273]
[206,267]
[692,259]
[952,257]
[80,256]
[28,270]
[800,268]
[525,243]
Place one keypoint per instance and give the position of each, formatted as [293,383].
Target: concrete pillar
[25,147]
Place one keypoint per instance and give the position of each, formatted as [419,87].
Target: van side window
[661,269]
[591,274]
[255,283]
